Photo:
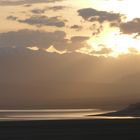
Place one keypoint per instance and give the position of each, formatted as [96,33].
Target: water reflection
[56,114]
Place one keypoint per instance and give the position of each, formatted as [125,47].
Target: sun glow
[123,7]
[119,44]
[111,38]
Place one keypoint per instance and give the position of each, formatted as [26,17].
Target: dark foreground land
[71,130]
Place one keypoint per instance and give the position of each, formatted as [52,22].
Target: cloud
[42,40]
[78,42]
[76,27]
[133,51]
[29,38]
[38,79]
[56,8]
[25,2]
[96,28]
[27,5]
[38,11]
[131,27]
[103,51]
[92,15]
[41,11]
[79,38]
[40,20]
[12,17]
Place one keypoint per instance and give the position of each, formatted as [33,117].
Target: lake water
[53,114]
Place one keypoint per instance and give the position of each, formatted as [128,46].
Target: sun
[112,38]
[119,44]
[123,44]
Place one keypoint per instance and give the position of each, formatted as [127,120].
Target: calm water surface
[54,114]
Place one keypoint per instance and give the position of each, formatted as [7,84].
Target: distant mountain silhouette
[132,110]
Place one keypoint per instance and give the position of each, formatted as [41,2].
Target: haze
[69,54]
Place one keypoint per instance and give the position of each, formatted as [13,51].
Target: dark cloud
[40,20]
[100,16]
[12,18]
[78,42]
[96,28]
[26,38]
[38,11]
[76,27]
[79,38]
[131,27]
[114,24]
[103,51]
[41,11]
[25,2]
[43,40]
[56,8]
[73,44]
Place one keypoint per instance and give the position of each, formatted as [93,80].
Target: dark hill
[132,110]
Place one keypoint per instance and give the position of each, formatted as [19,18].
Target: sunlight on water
[55,114]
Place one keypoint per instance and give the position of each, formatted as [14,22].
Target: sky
[69,54]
